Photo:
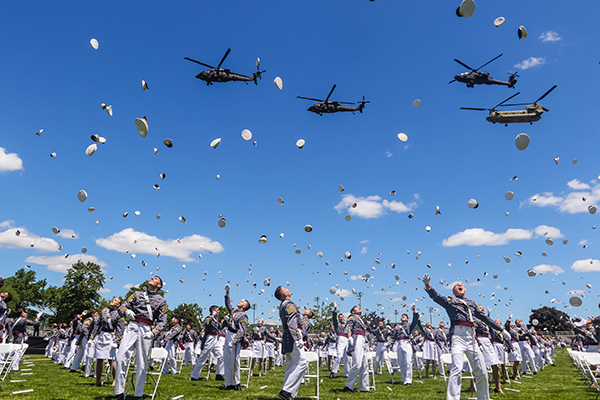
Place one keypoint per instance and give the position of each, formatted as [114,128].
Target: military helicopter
[482,78]
[533,112]
[216,74]
[327,107]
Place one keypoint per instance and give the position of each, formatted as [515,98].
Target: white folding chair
[592,359]
[418,364]
[245,364]
[445,361]
[393,357]
[312,357]
[179,358]
[7,351]
[371,362]
[159,355]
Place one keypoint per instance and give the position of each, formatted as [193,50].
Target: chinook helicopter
[482,78]
[327,107]
[533,112]
[216,74]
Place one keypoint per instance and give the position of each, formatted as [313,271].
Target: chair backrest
[419,354]
[446,358]
[311,356]
[592,358]
[246,353]
[371,354]
[392,355]
[6,348]
[159,353]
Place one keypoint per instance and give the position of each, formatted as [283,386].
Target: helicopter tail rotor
[362,104]
[257,75]
[512,79]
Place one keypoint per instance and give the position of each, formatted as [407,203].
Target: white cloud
[9,239]
[61,263]
[531,62]
[587,265]
[357,277]
[7,224]
[363,250]
[388,293]
[578,185]
[364,241]
[548,231]
[343,293]
[371,206]
[549,36]
[583,241]
[579,291]
[388,154]
[129,286]
[9,161]
[481,237]
[104,290]
[68,234]
[545,268]
[570,202]
[140,242]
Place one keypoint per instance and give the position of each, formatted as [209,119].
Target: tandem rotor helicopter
[482,78]
[327,107]
[216,74]
[533,112]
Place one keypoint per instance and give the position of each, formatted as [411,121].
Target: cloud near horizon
[571,201]
[371,206]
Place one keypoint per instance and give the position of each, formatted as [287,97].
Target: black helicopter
[482,78]
[216,74]
[327,107]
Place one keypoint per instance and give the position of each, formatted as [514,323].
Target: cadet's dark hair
[247,305]
[93,310]
[8,297]
[352,311]
[1,282]
[160,279]
[404,315]
[279,293]
[212,308]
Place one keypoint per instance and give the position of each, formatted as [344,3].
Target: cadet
[236,331]
[292,345]
[342,343]
[258,335]
[104,345]
[4,298]
[172,339]
[402,337]
[382,335]
[148,316]
[189,340]
[75,332]
[359,349]
[525,346]
[461,312]
[208,343]
[82,339]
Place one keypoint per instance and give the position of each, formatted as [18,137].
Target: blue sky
[391,53]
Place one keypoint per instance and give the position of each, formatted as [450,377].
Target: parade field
[50,382]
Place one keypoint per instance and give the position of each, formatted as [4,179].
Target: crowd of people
[130,328]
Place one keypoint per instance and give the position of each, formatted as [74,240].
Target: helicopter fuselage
[332,107]
[222,75]
[532,113]
[481,78]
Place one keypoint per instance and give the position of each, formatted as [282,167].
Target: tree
[27,291]
[186,314]
[321,321]
[550,319]
[80,290]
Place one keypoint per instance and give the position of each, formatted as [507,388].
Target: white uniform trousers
[48,351]
[381,356]
[279,358]
[342,346]
[188,357]
[539,360]
[360,365]
[295,368]
[79,354]
[89,357]
[133,341]
[209,345]
[218,356]
[59,349]
[405,355]
[527,353]
[231,358]
[463,342]
[71,353]
[170,365]
[63,352]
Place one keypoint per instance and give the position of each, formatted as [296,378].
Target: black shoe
[367,391]
[194,379]
[283,395]
[230,387]
[238,387]
[73,371]
[219,378]
[346,389]
[332,376]
[118,397]
[535,373]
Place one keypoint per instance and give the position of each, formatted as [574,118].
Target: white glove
[426,279]
[505,334]
[334,305]
[580,323]
[299,345]
[214,313]
[227,287]
[114,345]
[130,314]
[148,335]
[230,344]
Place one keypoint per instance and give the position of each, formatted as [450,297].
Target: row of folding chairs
[8,353]
[589,365]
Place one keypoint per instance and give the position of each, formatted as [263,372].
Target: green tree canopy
[80,290]
[187,314]
[26,290]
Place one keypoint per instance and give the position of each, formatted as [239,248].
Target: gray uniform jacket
[238,321]
[3,311]
[158,305]
[461,311]
[108,321]
[356,325]
[173,334]
[404,329]
[292,326]
[381,335]
[189,336]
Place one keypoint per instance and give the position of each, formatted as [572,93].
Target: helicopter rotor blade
[453,80]
[499,104]
[329,95]
[463,64]
[198,62]
[546,94]
[309,98]
[545,109]
[223,59]
[474,108]
[514,104]
[493,59]
[344,102]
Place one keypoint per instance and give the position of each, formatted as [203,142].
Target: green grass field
[49,381]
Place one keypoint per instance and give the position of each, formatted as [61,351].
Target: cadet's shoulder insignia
[164,308]
[130,298]
[449,298]
[291,309]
